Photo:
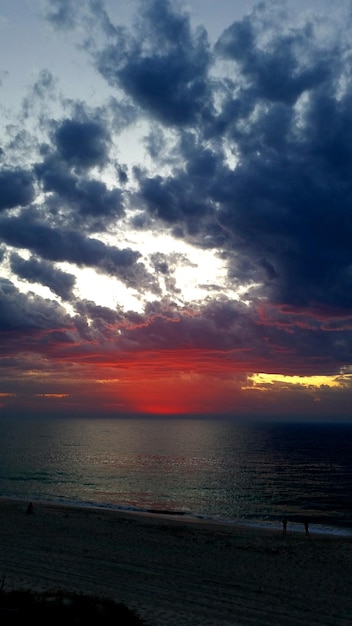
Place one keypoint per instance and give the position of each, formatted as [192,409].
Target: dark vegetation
[59,607]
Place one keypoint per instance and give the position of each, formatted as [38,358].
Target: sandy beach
[178,574]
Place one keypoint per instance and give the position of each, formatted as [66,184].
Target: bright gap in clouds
[262,381]
[196,274]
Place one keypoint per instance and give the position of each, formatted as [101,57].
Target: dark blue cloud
[280,207]
[35,271]
[54,244]
[251,148]
[60,245]
[16,188]
[263,172]
[162,66]
[82,143]
[277,69]
[78,201]
[26,312]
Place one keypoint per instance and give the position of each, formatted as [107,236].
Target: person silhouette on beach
[306,525]
[30,509]
[284,525]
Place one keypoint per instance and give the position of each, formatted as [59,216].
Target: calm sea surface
[210,469]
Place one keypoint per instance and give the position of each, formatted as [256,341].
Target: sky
[175,208]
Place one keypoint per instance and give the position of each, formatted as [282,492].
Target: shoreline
[177,572]
[180,517]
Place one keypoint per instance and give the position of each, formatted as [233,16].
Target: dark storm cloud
[258,167]
[21,312]
[277,70]
[185,197]
[234,332]
[16,188]
[287,200]
[162,65]
[274,97]
[53,244]
[287,203]
[47,274]
[70,246]
[167,198]
[100,314]
[82,143]
[280,209]
[78,201]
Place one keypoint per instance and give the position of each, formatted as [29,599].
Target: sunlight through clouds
[175,200]
[265,380]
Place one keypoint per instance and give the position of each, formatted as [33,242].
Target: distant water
[209,469]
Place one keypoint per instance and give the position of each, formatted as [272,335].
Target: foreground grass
[59,607]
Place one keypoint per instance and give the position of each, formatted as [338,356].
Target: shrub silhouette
[60,607]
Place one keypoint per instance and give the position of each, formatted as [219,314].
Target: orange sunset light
[171,395]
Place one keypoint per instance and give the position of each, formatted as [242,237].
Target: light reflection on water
[203,467]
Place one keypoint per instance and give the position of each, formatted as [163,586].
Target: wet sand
[176,573]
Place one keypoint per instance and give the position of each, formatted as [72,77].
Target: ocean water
[198,468]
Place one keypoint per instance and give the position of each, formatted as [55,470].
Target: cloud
[17,188]
[281,208]
[162,65]
[44,273]
[59,245]
[62,14]
[26,312]
[244,149]
[276,64]
[81,143]
[76,200]
[270,210]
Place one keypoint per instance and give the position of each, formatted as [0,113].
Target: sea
[216,470]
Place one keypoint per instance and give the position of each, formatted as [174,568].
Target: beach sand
[177,574]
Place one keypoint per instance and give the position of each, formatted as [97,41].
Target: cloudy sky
[175,208]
